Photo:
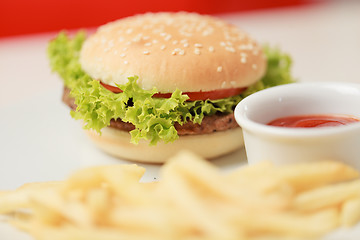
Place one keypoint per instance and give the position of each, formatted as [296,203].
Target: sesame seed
[146,52]
[232,83]
[175,42]
[230,49]
[242,54]
[148,44]
[155,41]
[145,37]
[227,35]
[211,49]
[167,38]
[197,51]
[183,40]
[243,60]
[126,62]
[246,47]
[162,47]
[125,48]
[207,32]
[169,21]
[186,45]
[254,66]
[198,45]
[223,85]
[242,47]
[163,34]
[186,34]
[223,44]
[122,55]
[136,39]
[129,31]
[219,69]
[178,51]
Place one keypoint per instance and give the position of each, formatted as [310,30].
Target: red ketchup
[310,121]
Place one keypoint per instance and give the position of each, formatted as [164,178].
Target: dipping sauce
[310,121]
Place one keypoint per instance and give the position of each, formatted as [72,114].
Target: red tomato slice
[111,88]
[193,96]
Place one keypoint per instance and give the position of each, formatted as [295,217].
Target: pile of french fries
[193,200]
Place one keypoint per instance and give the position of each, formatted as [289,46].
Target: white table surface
[39,141]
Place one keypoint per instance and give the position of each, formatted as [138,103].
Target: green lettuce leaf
[153,118]
[278,71]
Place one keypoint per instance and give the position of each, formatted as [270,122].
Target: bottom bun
[117,143]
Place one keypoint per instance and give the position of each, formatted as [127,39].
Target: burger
[149,85]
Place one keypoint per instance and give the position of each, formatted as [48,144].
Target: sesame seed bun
[117,143]
[187,51]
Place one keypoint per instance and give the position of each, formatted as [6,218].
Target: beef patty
[209,124]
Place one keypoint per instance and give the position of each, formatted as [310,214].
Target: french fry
[203,177]
[98,203]
[51,208]
[279,237]
[72,233]
[84,179]
[184,199]
[13,200]
[19,198]
[40,185]
[119,176]
[47,207]
[22,223]
[113,175]
[290,224]
[327,196]
[192,201]
[152,218]
[4,192]
[306,176]
[350,212]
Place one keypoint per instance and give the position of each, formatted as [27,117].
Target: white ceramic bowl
[282,145]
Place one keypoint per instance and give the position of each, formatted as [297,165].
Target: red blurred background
[35,16]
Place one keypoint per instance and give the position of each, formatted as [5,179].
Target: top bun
[187,51]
